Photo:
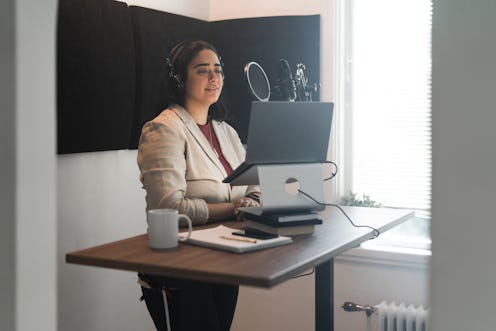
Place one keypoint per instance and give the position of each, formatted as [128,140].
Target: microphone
[285,83]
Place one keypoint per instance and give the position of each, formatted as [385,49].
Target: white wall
[192,8]
[100,200]
[28,203]
[368,277]
[464,160]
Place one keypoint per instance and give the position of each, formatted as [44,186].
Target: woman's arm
[221,211]
[163,167]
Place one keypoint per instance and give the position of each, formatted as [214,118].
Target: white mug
[163,228]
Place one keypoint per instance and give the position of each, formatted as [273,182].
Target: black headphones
[173,76]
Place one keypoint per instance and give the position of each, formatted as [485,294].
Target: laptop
[283,132]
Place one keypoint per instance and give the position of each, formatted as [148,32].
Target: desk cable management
[333,174]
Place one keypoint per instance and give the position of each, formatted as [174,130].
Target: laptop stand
[279,184]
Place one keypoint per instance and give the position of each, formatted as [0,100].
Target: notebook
[221,237]
[286,132]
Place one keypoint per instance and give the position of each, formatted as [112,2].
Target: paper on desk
[212,238]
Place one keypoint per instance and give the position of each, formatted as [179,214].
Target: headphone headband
[176,50]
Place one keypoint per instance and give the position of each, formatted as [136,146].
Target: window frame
[342,134]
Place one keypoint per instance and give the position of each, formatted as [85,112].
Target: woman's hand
[225,210]
[244,202]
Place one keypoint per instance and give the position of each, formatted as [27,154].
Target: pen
[253,241]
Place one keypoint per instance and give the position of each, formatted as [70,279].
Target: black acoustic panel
[264,40]
[95,75]
[112,74]
[156,33]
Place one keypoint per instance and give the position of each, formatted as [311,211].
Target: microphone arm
[285,84]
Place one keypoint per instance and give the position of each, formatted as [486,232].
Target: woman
[183,155]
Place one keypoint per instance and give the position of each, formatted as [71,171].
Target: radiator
[393,317]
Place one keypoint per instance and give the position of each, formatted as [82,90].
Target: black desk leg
[324,296]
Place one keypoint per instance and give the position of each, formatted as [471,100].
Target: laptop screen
[288,132]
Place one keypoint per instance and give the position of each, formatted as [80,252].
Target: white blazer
[179,168]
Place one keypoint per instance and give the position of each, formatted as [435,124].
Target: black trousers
[192,305]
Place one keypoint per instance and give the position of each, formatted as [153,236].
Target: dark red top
[209,133]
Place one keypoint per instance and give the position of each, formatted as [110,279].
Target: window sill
[385,255]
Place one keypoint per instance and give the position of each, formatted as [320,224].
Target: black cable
[307,274]
[376,232]
[333,174]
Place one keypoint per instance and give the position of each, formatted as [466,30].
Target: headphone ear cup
[173,77]
[222,67]
[179,83]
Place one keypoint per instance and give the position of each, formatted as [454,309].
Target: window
[383,66]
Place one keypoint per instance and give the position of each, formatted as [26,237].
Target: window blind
[389,97]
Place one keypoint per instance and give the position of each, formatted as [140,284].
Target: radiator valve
[350,306]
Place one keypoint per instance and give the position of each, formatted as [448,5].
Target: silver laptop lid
[288,132]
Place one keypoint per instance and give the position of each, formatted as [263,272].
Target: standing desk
[265,268]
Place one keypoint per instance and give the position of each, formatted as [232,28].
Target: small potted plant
[365,201]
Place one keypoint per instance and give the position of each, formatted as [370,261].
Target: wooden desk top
[264,268]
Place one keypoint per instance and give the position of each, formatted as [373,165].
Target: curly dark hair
[179,59]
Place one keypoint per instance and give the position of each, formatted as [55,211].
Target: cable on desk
[376,231]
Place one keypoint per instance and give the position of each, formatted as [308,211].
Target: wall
[464,159]
[35,164]
[28,165]
[100,200]
[368,277]
[7,165]
[192,8]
